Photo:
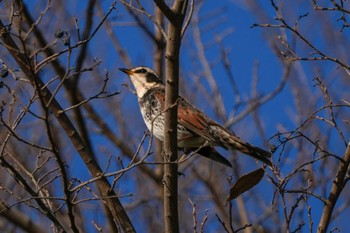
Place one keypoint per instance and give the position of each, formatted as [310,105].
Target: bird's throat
[142,87]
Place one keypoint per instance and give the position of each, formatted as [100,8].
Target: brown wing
[195,121]
[198,123]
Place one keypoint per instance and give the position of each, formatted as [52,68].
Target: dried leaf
[245,183]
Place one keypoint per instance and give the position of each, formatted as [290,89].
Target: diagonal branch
[165,9]
[25,64]
[337,187]
[21,220]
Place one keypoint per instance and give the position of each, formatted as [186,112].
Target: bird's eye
[143,71]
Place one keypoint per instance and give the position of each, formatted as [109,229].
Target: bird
[196,132]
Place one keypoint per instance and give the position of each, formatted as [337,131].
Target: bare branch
[337,187]
[113,204]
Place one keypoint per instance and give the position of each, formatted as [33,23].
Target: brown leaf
[245,183]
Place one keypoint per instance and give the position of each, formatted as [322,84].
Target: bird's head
[143,79]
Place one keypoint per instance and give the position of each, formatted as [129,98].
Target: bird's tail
[228,140]
[253,151]
[259,154]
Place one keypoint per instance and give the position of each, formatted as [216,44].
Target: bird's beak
[127,71]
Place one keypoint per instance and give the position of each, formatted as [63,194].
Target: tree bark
[176,16]
[170,131]
[337,187]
